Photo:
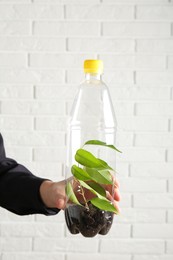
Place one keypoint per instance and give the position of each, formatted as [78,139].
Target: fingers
[115,204]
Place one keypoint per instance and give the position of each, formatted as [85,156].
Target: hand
[53,194]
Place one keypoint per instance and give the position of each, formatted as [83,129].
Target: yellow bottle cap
[93,66]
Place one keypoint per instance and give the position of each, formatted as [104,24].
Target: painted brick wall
[42,47]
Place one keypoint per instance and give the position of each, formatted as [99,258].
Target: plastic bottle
[92,118]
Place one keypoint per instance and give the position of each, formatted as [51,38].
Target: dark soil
[88,222]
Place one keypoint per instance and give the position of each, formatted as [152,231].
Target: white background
[42,47]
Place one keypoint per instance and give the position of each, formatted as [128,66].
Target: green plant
[92,175]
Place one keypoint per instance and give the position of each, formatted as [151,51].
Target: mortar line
[166,155]
[165,246]
[135,45]
[101,29]
[132,200]
[134,77]
[169,125]
[135,12]
[99,246]
[32,244]
[131,231]
[166,217]
[64,12]
[135,109]
[129,170]
[67,44]
[167,185]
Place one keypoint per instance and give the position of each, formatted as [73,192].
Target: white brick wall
[42,47]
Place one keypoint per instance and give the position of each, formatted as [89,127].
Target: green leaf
[97,142]
[79,173]
[107,175]
[70,194]
[102,177]
[88,187]
[98,188]
[89,160]
[104,205]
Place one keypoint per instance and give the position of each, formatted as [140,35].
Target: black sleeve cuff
[20,190]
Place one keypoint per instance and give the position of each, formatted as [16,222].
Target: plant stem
[82,193]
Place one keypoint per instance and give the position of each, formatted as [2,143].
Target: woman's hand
[53,193]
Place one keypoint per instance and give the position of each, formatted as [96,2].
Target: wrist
[45,189]
[53,194]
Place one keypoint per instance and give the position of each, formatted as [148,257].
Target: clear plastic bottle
[92,118]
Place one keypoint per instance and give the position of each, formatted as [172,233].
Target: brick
[154,109]
[122,169]
[103,45]
[97,257]
[154,139]
[125,202]
[154,170]
[7,216]
[118,77]
[16,123]
[151,200]
[110,77]
[66,28]
[15,244]
[139,93]
[31,11]
[134,61]
[50,154]
[35,76]
[124,138]
[32,230]
[19,153]
[136,1]
[9,91]
[138,29]
[132,246]
[65,245]
[134,215]
[14,28]
[15,1]
[136,154]
[10,60]
[170,216]
[29,43]
[169,247]
[170,62]
[42,218]
[31,255]
[85,12]
[158,78]
[33,108]
[155,45]
[161,13]
[51,123]
[34,138]
[49,170]
[56,60]
[142,124]
[67,1]
[153,257]
[142,185]
[119,230]
[152,231]
[55,91]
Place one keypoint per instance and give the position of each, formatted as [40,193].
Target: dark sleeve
[19,188]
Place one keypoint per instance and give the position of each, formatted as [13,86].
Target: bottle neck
[93,76]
